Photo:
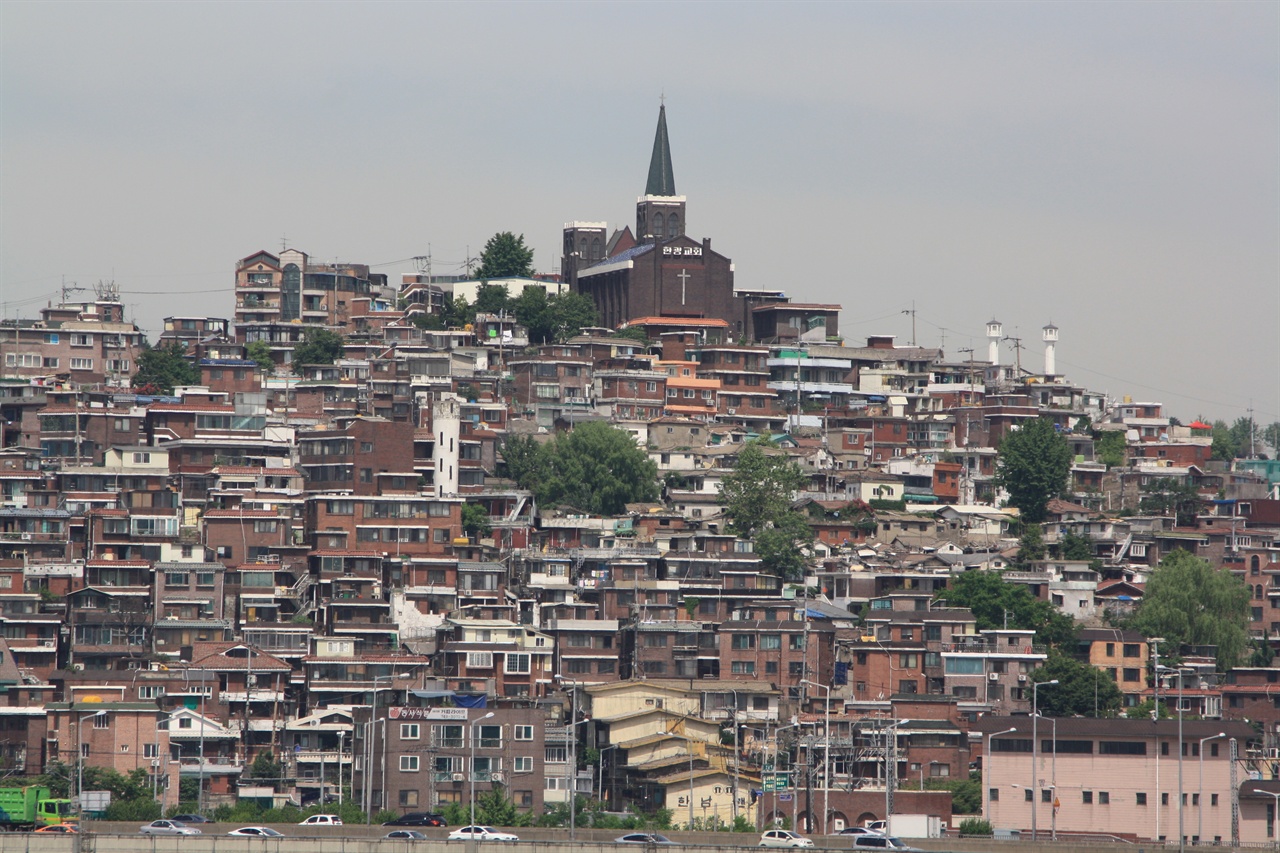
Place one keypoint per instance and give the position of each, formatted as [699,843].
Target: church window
[595,249]
[582,248]
[659,225]
[673,226]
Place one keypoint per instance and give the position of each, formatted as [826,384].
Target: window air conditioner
[495,777]
[1021,678]
[458,777]
[993,676]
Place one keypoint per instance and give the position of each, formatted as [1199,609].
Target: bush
[975,826]
[133,810]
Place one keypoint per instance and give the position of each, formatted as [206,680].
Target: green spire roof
[661,179]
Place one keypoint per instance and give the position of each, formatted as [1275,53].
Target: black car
[418,819]
[190,818]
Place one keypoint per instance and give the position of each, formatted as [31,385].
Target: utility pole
[1017,351]
[912,312]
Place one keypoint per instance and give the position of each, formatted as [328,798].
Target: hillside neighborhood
[629,538]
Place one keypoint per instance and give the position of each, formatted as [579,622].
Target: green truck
[32,807]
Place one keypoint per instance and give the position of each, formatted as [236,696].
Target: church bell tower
[660,213]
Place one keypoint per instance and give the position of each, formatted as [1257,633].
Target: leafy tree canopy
[1082,690]
[163,368]
[1234,441]
[1170,496]
[505,256]
[1189,602]
[595,468]
[493,299]
[1032,466]
[456,313]
[1111,448]
[260,352]
[555,318]
[318,346]
[1271,435]
[475,520]
[992,600]
[637,333]
[757,500]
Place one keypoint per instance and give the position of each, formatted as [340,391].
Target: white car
[322,820]
[168,827]
[784,838]
[480,833]
[256,832]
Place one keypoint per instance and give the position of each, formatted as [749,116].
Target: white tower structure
[994,333]
[1050,339]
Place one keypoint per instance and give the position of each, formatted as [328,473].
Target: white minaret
[1050,338]
[994,333]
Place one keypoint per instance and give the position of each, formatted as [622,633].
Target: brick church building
[657,271]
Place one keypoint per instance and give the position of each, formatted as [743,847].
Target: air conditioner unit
[993,676]
[77,667]
[731,411]
[26,537]
[495,777]
[458,777]
[1021,678]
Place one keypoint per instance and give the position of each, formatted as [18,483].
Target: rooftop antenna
[284,242]
[423,262]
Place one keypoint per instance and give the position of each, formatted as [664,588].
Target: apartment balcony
[321,756]
[233,696]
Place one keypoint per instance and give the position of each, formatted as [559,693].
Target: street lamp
[1035,749]
[826,755]
[922,766]
[370,744]
[80,756]
[986,772]
[1155,642]
[1200,787]
[1181,678]
[600,781]
[1275,811]
[572,729]
[890,771]
[472,771]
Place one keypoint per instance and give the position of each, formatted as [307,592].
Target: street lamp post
[80,766]
[1275,812]
[986,772]
[1035,750]
[1200,788]
[826,754]
[890,771]
[1155,642]
[922,766]
[471,771]
[370,745]
[600,781]
[1182,844]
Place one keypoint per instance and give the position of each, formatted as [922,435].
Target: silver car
[168,827]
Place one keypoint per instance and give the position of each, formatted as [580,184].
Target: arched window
[582,248]
[659,226]
[595,249]
[1255,563]
[1257,591]
[673,226]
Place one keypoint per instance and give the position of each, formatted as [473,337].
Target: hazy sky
[1113,168]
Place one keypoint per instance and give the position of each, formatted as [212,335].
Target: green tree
[1271,435]
[1082,690]
[757,500]
[1189,602]
[1030,546]
[1032,466]
[318,346]
[555,318]
[1245,435]
[505,256]
[993,600]
[266,769]
[595,468]
[493,299]
[522,455]
[260,352]
[475,520]
[1111,448]
[1173,497]
[455,313]
[638,334]
[1226,444]
[163,368]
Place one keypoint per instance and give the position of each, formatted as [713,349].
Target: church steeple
[662,180]
[660,212]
